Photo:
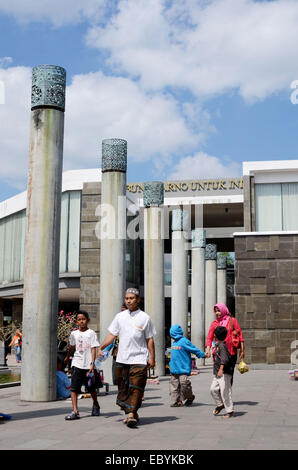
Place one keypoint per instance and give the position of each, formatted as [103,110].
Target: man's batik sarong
[131,381]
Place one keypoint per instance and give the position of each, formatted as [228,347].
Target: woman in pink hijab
[223,318]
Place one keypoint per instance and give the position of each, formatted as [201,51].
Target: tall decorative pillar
[198,289]
[153,193]
[210,287]
[41,264]
[179,301]
[112,236]
[221,278]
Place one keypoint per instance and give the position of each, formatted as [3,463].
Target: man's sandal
[218,409]
[72,416]
[132,422]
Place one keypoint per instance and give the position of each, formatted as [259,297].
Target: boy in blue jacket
[180,367]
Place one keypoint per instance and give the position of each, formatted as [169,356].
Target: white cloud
[97,107]
[207,47]
[15,124]
[101,107]
[202,165]
[58,12]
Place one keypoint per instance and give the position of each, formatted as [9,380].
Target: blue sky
[195,86]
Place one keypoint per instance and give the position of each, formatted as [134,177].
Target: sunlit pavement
[266,417]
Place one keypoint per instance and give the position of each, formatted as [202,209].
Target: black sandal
[218,409]
[131,422]
[72,416]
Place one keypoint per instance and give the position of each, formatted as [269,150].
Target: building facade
[253,218]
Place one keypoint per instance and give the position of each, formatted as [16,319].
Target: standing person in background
[135,352]
[16,342]
[223,318]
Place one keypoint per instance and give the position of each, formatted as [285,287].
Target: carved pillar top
[221,261]
[153,194]
[48,87]
[114,155]
[180,220]
[210,252]
[198,238]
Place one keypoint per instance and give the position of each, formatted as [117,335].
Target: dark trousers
[131,381]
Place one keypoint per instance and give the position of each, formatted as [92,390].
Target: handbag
[235,337]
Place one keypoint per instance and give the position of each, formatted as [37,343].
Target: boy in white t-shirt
[136,351]
[82,347]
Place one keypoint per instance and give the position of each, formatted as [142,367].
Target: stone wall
[90,253]
[266,295]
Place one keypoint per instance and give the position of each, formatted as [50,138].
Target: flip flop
[131,422]
[228,415]
[177,404]
[218,409]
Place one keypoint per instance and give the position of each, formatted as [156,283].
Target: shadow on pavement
[156,419]
[150,398]
[56,412]
[145,405]
[251,403]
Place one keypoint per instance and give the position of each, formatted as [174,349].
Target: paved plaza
[266,417]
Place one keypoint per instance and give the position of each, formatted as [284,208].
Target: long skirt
[131,381]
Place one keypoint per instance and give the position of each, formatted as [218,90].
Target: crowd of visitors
[131,338]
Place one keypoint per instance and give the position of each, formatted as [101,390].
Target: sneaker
[189,401]
[95,410]
[72,416]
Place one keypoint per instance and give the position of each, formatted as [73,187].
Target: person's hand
[219,374]
[207,353]
[91,370]
[241,355]
[151,363]
[66,359]
[99,353]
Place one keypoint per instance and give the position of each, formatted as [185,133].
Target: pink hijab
[225,314]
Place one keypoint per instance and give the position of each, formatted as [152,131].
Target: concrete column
[41,264]
[221,278]
[210,288]
[112,236]
[179,300]
[154,266]
[198,289]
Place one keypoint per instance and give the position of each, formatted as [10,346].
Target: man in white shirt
[135,352]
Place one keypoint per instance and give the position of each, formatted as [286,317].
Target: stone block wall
[266,295]
[90,252]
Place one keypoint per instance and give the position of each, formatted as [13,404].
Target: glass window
[276,206]
[12,243]
[289,206]
[12,239]
[268,207]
